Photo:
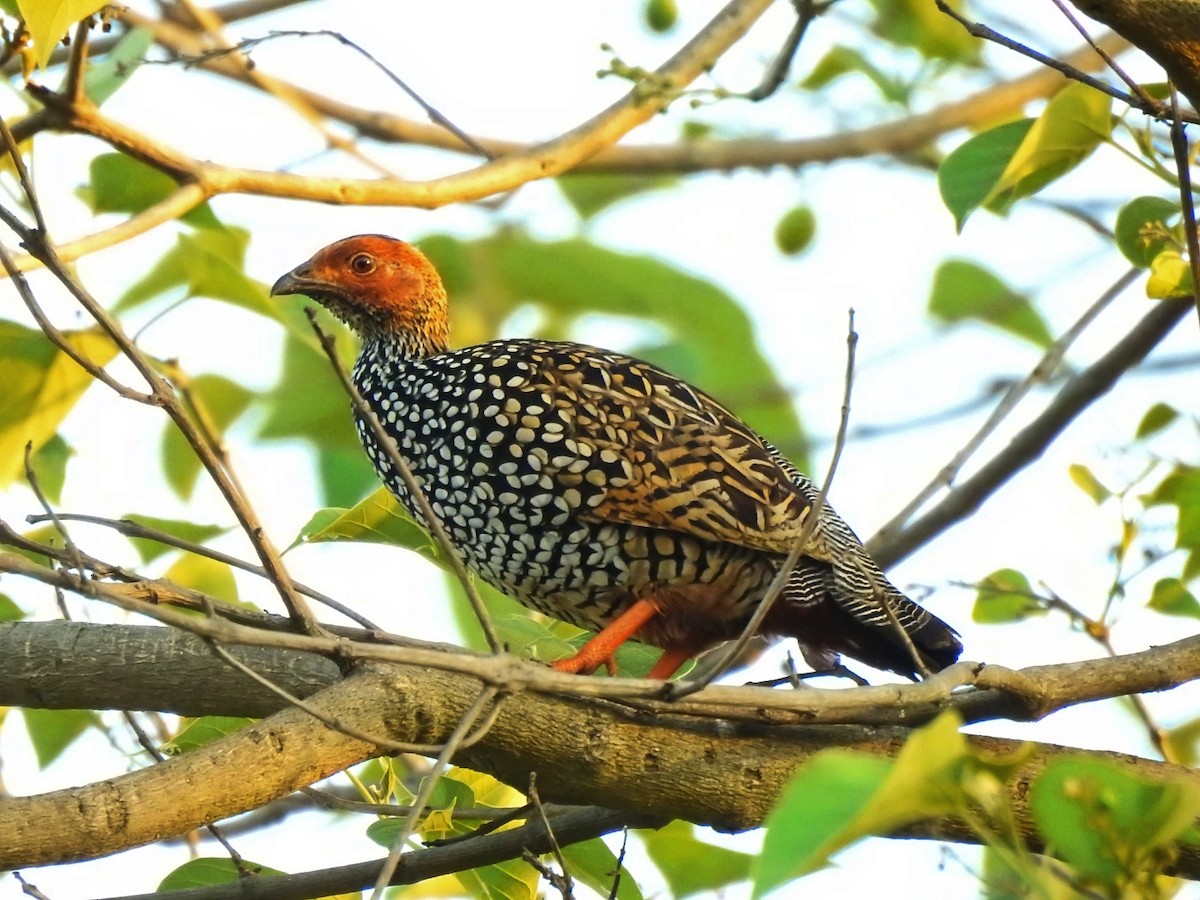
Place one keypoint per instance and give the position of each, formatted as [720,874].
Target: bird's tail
[841,602]
[830,614]
[848,606]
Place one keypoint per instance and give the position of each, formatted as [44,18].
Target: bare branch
[1040,374]
[133,529]
[1074,397]
[697,772]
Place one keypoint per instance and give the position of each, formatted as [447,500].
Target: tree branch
[1166,30]
[720,775]
[1074,397]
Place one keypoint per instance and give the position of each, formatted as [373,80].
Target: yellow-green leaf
[1088,483]
[379,519]
[203,574]
[208,871]
[204,730]
[1075,121]
[49,20]
[41,385]
[1170,276]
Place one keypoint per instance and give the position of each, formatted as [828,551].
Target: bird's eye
[362,264]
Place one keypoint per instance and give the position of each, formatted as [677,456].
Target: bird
[598,489]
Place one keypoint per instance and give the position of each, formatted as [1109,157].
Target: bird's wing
[686,464]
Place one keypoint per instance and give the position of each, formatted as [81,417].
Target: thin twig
[483,700]
[1183,165]
[1138,91]
[1029,443]
[562,882]
[68,544]
[978,693]
[1040,374]
[777,72]
[675,690]
[212,27]
[132,529]
[77,61]
[37,242]
[327,800]
[975,29]
[18,161]
[434,114]
[415,491]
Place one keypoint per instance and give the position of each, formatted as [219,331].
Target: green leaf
[208,871]
[813,811]
[1184,741]
[963,291]
[205,575]
[504,611]
[795,231]
[378,519]
[1170,276]
[41,385]
[194,532]
[1088,483]
[1107,822]
[1005,596]
[919,25]
[1171,597]
[9,611]
[1182,490]
[1155,419]
[461,788]
[1074,123]
[1142,231]
[204,730]
[840,797]
[104,77]
[968,175]
[49,20]
[534,638]
[49,465]
[309,403]
[121,184]
[215,401]
[51,731]
[590,193]
[205,264]
[593,864]
[841,60]
[691,866]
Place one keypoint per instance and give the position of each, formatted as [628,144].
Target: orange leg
[600,649]
[673,657]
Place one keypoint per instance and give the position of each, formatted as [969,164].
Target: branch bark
[599,756]
[1168,31]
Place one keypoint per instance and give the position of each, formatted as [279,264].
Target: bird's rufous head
[381,287]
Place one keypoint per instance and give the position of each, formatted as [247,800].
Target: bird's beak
[297,281]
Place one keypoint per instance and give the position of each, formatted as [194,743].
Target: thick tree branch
[725,777]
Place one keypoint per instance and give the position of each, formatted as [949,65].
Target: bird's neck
[401,345]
